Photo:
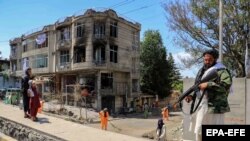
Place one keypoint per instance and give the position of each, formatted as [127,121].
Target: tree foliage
[156,73]
[196,24]
[174,74]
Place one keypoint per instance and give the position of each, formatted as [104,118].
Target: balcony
[80,41]
[13,73]
[99,62]
[102,38]
[63,44]
[63,67]
[107,92]
[118,89]
[13,56]
[119,67]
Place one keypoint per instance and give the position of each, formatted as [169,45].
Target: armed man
[212,95]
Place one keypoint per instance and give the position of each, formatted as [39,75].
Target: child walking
[34,100]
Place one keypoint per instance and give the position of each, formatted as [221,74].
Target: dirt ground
[137,126]
[132,124]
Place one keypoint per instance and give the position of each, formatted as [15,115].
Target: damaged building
[96,48]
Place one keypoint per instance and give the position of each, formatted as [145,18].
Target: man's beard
[207,66]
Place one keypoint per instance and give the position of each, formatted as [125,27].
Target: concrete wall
[239,101]
[24,133]
[247,111]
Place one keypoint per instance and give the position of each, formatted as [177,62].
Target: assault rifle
[210,74]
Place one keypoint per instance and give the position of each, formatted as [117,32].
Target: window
[25,63]
[13,53]
[99,30]
[31,43]
[113,29]
[64,57]
[79,54]
[135,65]
[113,53]
[48,86]
[40,61]
[99,54]
[106,80]
[135,85]
[25,47]
[41,41]
[79,29]
[64,34]
[14,65]
[135,40]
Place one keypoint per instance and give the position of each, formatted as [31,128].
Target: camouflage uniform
[217,91]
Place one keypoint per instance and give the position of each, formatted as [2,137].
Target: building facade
[5,80]
[98,49]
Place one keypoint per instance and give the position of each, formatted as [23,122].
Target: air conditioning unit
[62,43]
[61,67]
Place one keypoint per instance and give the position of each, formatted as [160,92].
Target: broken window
[79,29]
[106,80]
[64,57]
[99,54]
[64,34]
[79,54]
[113,53]
[113,29]
[99,30]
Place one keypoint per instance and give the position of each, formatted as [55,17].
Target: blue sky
[20,16]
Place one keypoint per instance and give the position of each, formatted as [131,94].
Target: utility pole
[220,30]
[246,31]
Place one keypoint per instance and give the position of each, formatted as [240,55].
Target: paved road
[62,128]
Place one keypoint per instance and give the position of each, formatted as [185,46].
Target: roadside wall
[22,132]
[239,101]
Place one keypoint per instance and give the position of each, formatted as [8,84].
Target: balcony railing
[118,89]
[64,67]
[13,56]
[99,36]
[99,62]
[62,44]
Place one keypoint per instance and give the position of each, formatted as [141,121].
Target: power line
[134,10]
[122,3]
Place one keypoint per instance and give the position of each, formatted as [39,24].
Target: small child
[161,131]
[34,100]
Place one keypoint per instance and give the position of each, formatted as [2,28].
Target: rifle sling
[192,106]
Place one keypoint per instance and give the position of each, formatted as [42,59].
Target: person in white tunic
[214,102]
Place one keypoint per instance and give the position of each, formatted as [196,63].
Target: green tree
[154,66]
[174,74]
[196,23]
